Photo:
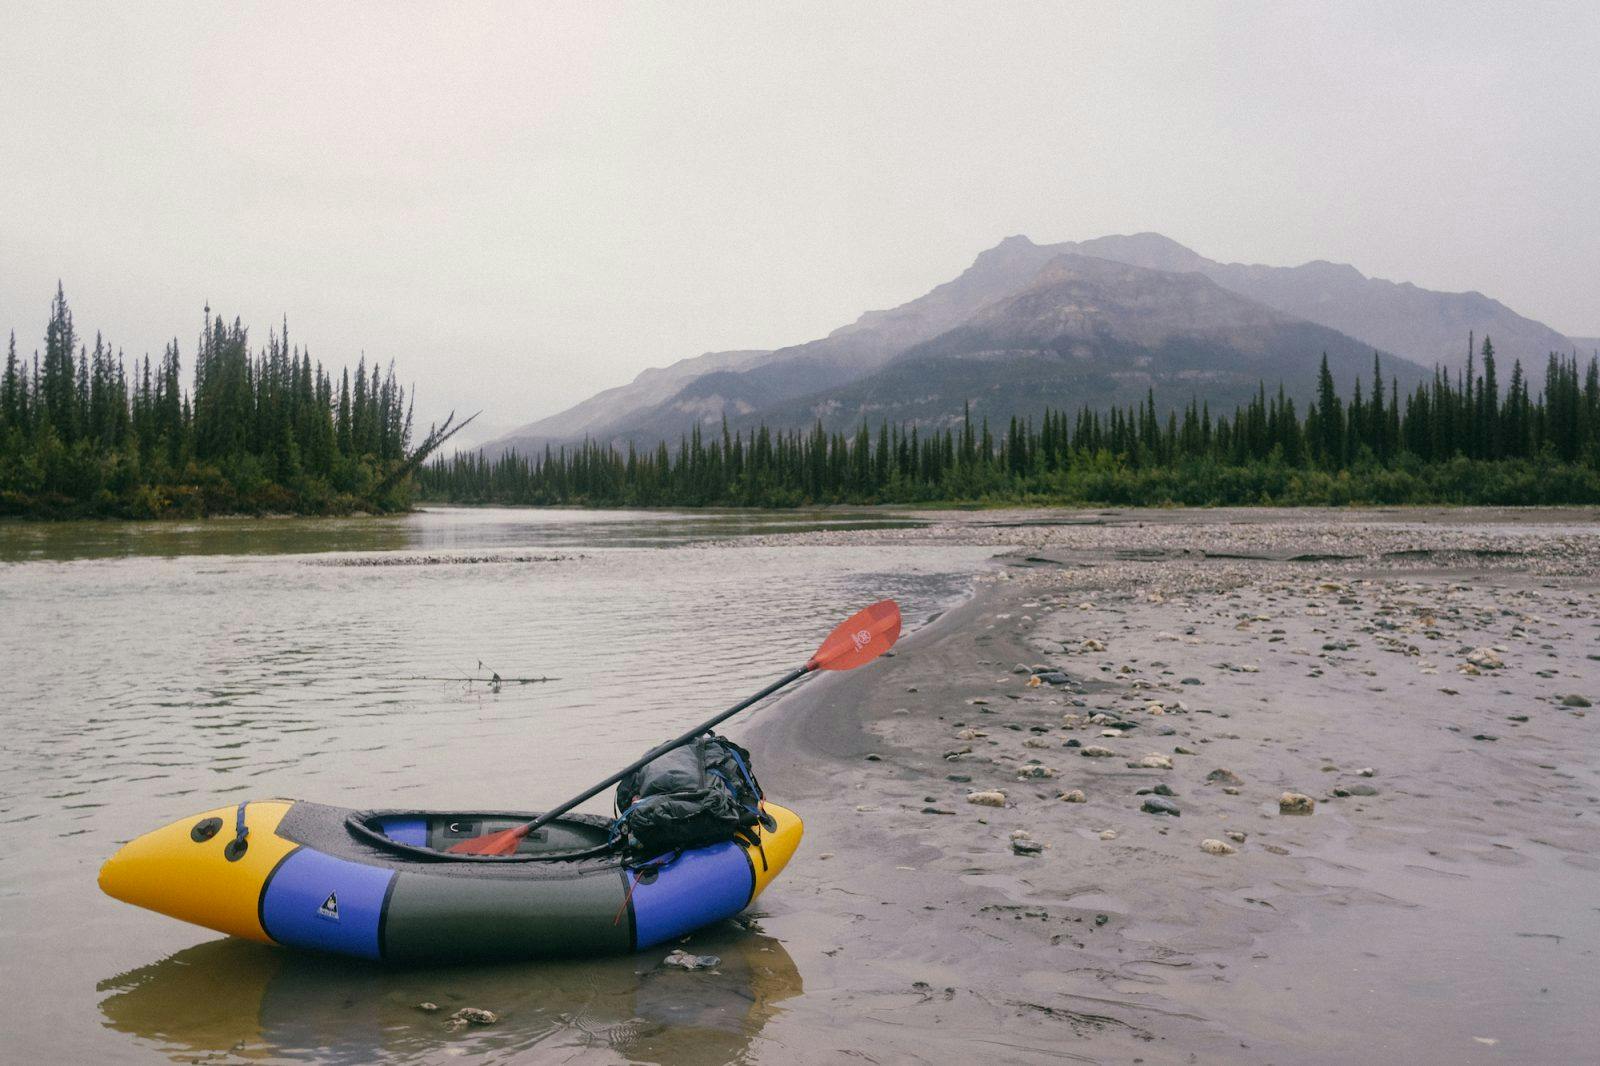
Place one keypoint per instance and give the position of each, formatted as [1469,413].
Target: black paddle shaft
[655,753]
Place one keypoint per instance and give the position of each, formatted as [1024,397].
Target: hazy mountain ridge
[1092,332]
[1423,325]
[650,387]
[858,361]
[843,355]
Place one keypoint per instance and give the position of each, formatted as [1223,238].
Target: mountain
[1089,332]
[605,409]
[1419,324]
[743,382]
[857,366]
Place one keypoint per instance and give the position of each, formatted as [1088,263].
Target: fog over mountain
[1064,325]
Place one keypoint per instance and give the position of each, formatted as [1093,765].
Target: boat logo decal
[330,907]
[861,638]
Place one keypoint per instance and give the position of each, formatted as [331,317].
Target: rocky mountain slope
[956,342]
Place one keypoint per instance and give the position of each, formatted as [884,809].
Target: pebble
[429,1007]
[1152,761]
[1073,795]
[1157,805]
[1238,836]
[683,960]
[1575,700]
[1366,771]
[1218,847]
[1296,803]
[1034,773]
[874,757]
[987,798]
[1095,751]
[1226,777]
[476,1016]
[1485,659]
[1108,834]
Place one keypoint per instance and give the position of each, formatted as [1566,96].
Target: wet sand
[1423,677]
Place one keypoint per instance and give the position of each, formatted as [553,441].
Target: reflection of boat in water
[250,1001]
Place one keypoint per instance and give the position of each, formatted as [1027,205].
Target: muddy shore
[1143,692]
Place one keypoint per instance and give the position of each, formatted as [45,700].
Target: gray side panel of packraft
[433,916]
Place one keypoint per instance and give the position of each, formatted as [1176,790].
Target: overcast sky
[523,204]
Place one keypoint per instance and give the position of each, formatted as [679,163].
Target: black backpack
[701,793]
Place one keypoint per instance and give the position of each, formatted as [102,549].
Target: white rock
[1485,659]
[1296,803]
[987,798]
[1218,847]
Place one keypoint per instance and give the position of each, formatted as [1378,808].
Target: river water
[148,671]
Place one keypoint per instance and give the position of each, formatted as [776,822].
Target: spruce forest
[84,433]
[1451,441]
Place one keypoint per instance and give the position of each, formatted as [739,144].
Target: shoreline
[1432,910]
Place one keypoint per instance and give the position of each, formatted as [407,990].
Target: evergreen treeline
[1452,440]
[83,432]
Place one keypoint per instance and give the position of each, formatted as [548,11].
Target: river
[148,671]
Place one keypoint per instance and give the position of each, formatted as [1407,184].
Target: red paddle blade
[502,843]
[860,638]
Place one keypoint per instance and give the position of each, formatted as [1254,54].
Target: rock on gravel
[1485,659]
[473,1016]
[1149,762]
[1158,805]
[987,798]
[685,961]
[1226,777]
[1218,847]
[1296,803]
[1073,795]
[1095,751]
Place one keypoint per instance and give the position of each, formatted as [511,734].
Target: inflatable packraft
[380,884]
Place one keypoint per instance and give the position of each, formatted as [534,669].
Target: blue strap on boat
[240,843]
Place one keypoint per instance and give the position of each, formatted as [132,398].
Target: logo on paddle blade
[860,638]
[330,907]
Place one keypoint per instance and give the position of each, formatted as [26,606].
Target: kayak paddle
[856,641]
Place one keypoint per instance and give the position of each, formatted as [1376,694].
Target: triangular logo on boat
[330,907]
